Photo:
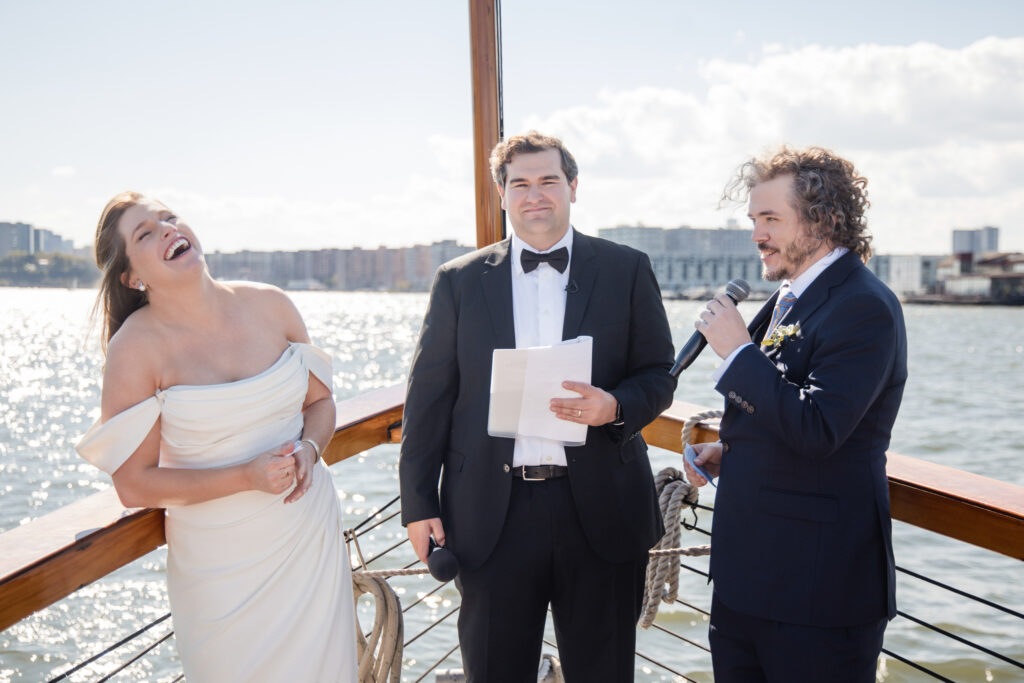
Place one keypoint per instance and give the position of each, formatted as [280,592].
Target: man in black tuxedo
[801,556]
[532,522]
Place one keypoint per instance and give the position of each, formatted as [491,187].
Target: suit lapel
[496,283]
[818,291]
[582,272]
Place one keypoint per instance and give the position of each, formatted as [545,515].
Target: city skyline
[688,262]
[318,123]
[46,236]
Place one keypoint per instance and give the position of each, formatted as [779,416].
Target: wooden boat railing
[47,559]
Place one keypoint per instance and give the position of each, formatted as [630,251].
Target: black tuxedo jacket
[802,531]
[614,298]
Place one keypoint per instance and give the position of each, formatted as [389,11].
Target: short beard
[793,257]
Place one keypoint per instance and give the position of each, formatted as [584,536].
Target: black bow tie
[557,259]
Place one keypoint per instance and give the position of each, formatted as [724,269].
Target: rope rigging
[674,493]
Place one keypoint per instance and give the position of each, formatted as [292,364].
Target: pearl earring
[141,287]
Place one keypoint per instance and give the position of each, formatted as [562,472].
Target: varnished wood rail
[968,507]
[47,559]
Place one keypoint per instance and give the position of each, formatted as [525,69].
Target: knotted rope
[380,655]
[663,568]
[694,420]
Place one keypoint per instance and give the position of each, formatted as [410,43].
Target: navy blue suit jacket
[444,431]
[802,530]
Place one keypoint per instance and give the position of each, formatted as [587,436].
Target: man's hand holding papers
[595,407]
[526,382]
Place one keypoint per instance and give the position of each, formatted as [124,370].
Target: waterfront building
[692,261]
[382,269]
[48,242]
[29,239]
[15,237]
[995,276]
[648,240]
[976,241]
[908,274]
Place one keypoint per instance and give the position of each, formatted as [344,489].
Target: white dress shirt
[796,287]
[538,307]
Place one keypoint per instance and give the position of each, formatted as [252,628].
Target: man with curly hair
[802,557]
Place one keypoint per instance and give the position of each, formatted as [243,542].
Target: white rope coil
[380,655]
[674,492]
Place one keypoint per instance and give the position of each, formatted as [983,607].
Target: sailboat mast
[485,54]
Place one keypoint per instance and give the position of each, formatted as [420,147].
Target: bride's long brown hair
[116,298]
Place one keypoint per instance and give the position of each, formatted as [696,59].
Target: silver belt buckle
[526,478]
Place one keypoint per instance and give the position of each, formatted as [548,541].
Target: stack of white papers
[523,382]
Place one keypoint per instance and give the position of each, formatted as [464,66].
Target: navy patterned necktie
[557,259]
[782,307]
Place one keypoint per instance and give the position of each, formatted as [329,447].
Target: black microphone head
[442,563]
[737,290]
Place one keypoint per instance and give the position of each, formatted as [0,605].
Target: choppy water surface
[961,409]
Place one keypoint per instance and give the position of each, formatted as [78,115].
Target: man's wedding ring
[579,413]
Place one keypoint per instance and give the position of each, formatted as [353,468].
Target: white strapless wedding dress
[259,590]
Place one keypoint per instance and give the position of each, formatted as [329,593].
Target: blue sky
[332,124]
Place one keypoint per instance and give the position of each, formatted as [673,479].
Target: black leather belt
[539,472]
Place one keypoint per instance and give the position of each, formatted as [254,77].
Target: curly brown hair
[828,193]
[527,143]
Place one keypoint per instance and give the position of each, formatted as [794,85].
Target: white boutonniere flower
[780,334]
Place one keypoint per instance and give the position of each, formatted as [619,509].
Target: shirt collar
[518,245]
[800,285]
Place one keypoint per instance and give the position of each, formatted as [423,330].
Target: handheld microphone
[442,562]
[737,290]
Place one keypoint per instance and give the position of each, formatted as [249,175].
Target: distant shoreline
[948,299]
[929,300]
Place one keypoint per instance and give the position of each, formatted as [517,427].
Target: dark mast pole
[485,50]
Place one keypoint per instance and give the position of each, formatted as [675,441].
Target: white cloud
[938,132]
[63,172]
[436,202]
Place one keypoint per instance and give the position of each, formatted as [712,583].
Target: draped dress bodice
[259,590]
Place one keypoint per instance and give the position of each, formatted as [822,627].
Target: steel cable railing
[915,665]
[428,628]
[65,676]
[960,639]
[948,634]
[138,655]
[378,518]
[962,593]
[682,638]
[693,607]
[438,663]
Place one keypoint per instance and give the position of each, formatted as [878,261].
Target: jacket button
[507,468]
[750,409]
[744,405]
[732,394]
[725,446]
